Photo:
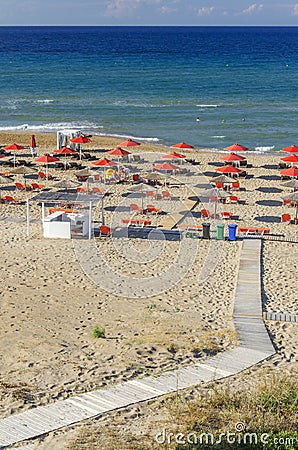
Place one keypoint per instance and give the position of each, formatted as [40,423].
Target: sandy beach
[50,305]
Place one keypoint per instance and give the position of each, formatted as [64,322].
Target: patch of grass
[98,332]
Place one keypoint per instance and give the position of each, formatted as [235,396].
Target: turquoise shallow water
[152,83]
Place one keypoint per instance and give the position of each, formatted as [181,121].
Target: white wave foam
[208,106]
[46,100]
[264,149]
[218,137]
[51,127]
[137,138]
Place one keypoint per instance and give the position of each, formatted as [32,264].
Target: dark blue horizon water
[152,83]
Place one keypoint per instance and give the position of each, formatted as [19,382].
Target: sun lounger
[253,230]
[226,215]
[22,187]
[37,186]
[68,211]
[43,176]
[205,213]
[10,199]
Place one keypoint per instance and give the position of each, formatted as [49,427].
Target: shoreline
[113,140]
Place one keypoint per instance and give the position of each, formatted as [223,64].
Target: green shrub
[98,332]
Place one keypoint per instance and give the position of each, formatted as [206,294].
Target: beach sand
[50,305]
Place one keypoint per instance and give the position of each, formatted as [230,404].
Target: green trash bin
[220,227]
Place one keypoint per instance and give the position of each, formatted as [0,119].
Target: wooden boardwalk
[255,346]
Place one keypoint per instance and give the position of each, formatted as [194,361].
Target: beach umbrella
[104,162]
[14,147]
[294,198]
[129,143]
[232,157]
[165,166]
[23,170]
[46,159]
[228,169]
[140,189]
[214,192]
[236,147]
[65,151]
[118,151]
[291,172]
[32,144]
[174,155]
[80,140]
[222,179]
[292,159]
[181,145]
[153,176]
[65,183]
[293,183]
[291,149]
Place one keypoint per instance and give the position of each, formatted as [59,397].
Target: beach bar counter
[60,224]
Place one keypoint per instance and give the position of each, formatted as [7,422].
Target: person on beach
[32,149]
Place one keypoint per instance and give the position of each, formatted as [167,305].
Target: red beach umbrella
[291,172]
[129,143]
[292,158]
[118,151]
[232,157]
[65,151]
[174,155]
[228,169]
[165,166]
[32,141]
[291,149]
[80,140]
[104,162]
[236,147]
[182,145]
[46,159]
[14,147]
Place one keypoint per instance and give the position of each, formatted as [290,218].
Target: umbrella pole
[90,220]
[28,218]
[80,152]
[102,211]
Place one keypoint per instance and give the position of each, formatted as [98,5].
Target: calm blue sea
[153,82]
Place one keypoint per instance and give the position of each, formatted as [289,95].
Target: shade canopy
[165,166]
[214,192]
[65,183]
[46,159]
[292,158]
[23,170]
[153,176]
[65,151]
[291,149]
[174,155]
[236,147]
[14,147]
[228,169]
[232,157]
[222,179]
[104,162]
[129,143]
[182,145]
[80,140]
[118,151]
[293,184]
[291,172]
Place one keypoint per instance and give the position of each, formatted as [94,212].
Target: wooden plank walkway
[255,346]
[177,216]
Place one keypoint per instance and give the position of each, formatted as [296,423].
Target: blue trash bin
[232,231]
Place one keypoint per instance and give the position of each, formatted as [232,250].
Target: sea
[207,86]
